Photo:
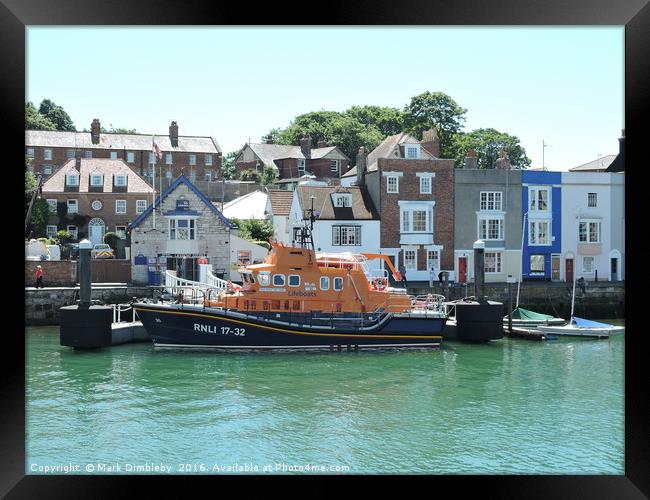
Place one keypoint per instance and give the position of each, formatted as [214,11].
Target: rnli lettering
[298,293]
[221,330]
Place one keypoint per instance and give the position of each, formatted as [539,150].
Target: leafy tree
[315,124]
[35,121]
[118,130]
[254,229]
[273,134]
[57,115]
[488,142]
[389,121]
[63,236]
[250,175]
[228,165]
[437,109]
[40,216]
[269,175]
[111,239]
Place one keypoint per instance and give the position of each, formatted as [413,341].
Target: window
[490,229]
[392,184]
[208,176]
[587,265]
[88,154]
[417,221]
[52,205]
[113,155]
[51,231]
[538,233]
[334,165]
[120,206]
[130,156]
[425,185]
[47,170]
[140,206]
[208,159]
[342,200]
[324,283]
[490,200]
[192,159]
[294,280]
[410,259]
[152,158]
[278,280]
[168,158]
[168,174]
[537,264]
[244,257]
[492,262]
[73,207]
[96,205]
[72,179]
[120,180]
[121,231]
[412,151]
[183,229]
[47,154]
[264,278]
[30,152]
[69,153]
[592,200]
[97,180]
[538,199]
[73,231]
[346,235]
[433,259]
[406,221]
[301,167]
[589,232]
[338,284]
[192,176]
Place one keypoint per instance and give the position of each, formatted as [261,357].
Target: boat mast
[521,258]
[573,293]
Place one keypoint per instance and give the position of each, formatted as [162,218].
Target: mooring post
[510,281]
[84,273]
[479,269]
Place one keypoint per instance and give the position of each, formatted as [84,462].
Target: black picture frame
[15,15]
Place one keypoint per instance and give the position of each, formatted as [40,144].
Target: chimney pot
[95,128]
[362,159]
[173,134]
[430,142]
[471,160]
[305,145]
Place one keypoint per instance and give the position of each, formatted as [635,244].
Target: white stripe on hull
[334,347]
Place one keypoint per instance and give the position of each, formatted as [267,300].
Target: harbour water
[510,406]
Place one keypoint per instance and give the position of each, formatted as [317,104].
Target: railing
[429,303]
[217,282]
[118,309]
[172,281]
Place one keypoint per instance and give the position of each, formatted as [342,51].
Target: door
[614,268]
[555,267]
[96,231]
[462,269]
[569,270]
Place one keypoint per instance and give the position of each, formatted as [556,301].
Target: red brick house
[92,197]
[292,162]
[198,158]
[413,191]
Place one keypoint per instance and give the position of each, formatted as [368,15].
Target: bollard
[84,273]
[479,269]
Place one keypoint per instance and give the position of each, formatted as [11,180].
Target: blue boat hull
[195,327]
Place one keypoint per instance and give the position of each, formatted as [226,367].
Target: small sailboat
[579,327]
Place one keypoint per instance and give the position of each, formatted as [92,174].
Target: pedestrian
[402,271]
[39,277]
[432,276]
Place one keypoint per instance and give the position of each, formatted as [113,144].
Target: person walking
[39,277]
[402,271]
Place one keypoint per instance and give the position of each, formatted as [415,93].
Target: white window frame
[491,201]
[264,278]
[93,178]
[533,194]
[73,230]
[47,154]
[88,154]
[208,159]
[390,178]
[343,200]
[484,229]
[414,260]
[585,259]
[120,180]
[337,284]
[592,200]
[425,185]
[334,166]
[30,152]
[173,228]
[69,177]
[47,170]
[140,206]
[412,151]
[130,157]
[324,283]
[168,173]
[301,167]
[284,280]
[49,232]
[192,159]
[433,262]
[497,263]
[75,203]
[113,155]
[52,204]
[407,220]
[168,159]
[588,224]
[537,257]
[92,205]
[289,280]
[208,175]
[122,231]
[118,203]
[534,233]
[69,153]
[346,235]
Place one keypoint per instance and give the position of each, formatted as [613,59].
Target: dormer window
[342,200]
[97,180]
[120,180]
[412,151]
[72,179]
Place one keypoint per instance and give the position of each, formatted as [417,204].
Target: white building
[278,206]
[247,207]
[593,221]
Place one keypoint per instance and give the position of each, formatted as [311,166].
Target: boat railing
[119,309]
[218,283]
[430,302]
[173,281]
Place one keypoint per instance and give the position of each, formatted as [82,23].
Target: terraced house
[197,157]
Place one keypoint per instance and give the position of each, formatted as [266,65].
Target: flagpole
[153,150]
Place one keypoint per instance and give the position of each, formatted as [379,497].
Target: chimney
[362,158]
[305,145]
[471,160]
[173,134]
[77,159]
[95,127]
[321,142]
[430,142]
[618,165]
[503,163]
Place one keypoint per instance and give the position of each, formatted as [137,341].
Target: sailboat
[579,327]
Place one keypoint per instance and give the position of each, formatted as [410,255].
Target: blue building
[542,209]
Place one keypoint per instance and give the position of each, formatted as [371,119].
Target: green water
[507,407]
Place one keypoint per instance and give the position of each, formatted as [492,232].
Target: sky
[559,86]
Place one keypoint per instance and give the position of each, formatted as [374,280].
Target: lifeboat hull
[183,326]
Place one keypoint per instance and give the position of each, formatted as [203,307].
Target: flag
[156,150]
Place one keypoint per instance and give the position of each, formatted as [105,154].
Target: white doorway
[96,229]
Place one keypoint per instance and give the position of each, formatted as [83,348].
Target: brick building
[197,157]
[291,162]
[91,197]
[413,191]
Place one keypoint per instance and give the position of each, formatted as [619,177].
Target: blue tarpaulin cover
[588,323]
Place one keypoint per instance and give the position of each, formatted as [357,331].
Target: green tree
[63,236]
[40,216]
[389,121]
[35,121]
[250,175]
[269,175]
[315,123]
[228,165]
[488,142]
[435,109]
[57,115]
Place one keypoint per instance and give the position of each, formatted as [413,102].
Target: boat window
[244,278]
[251,278]
[324,282]
[294,280]
[278,280]
[338,283]
[264,279]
